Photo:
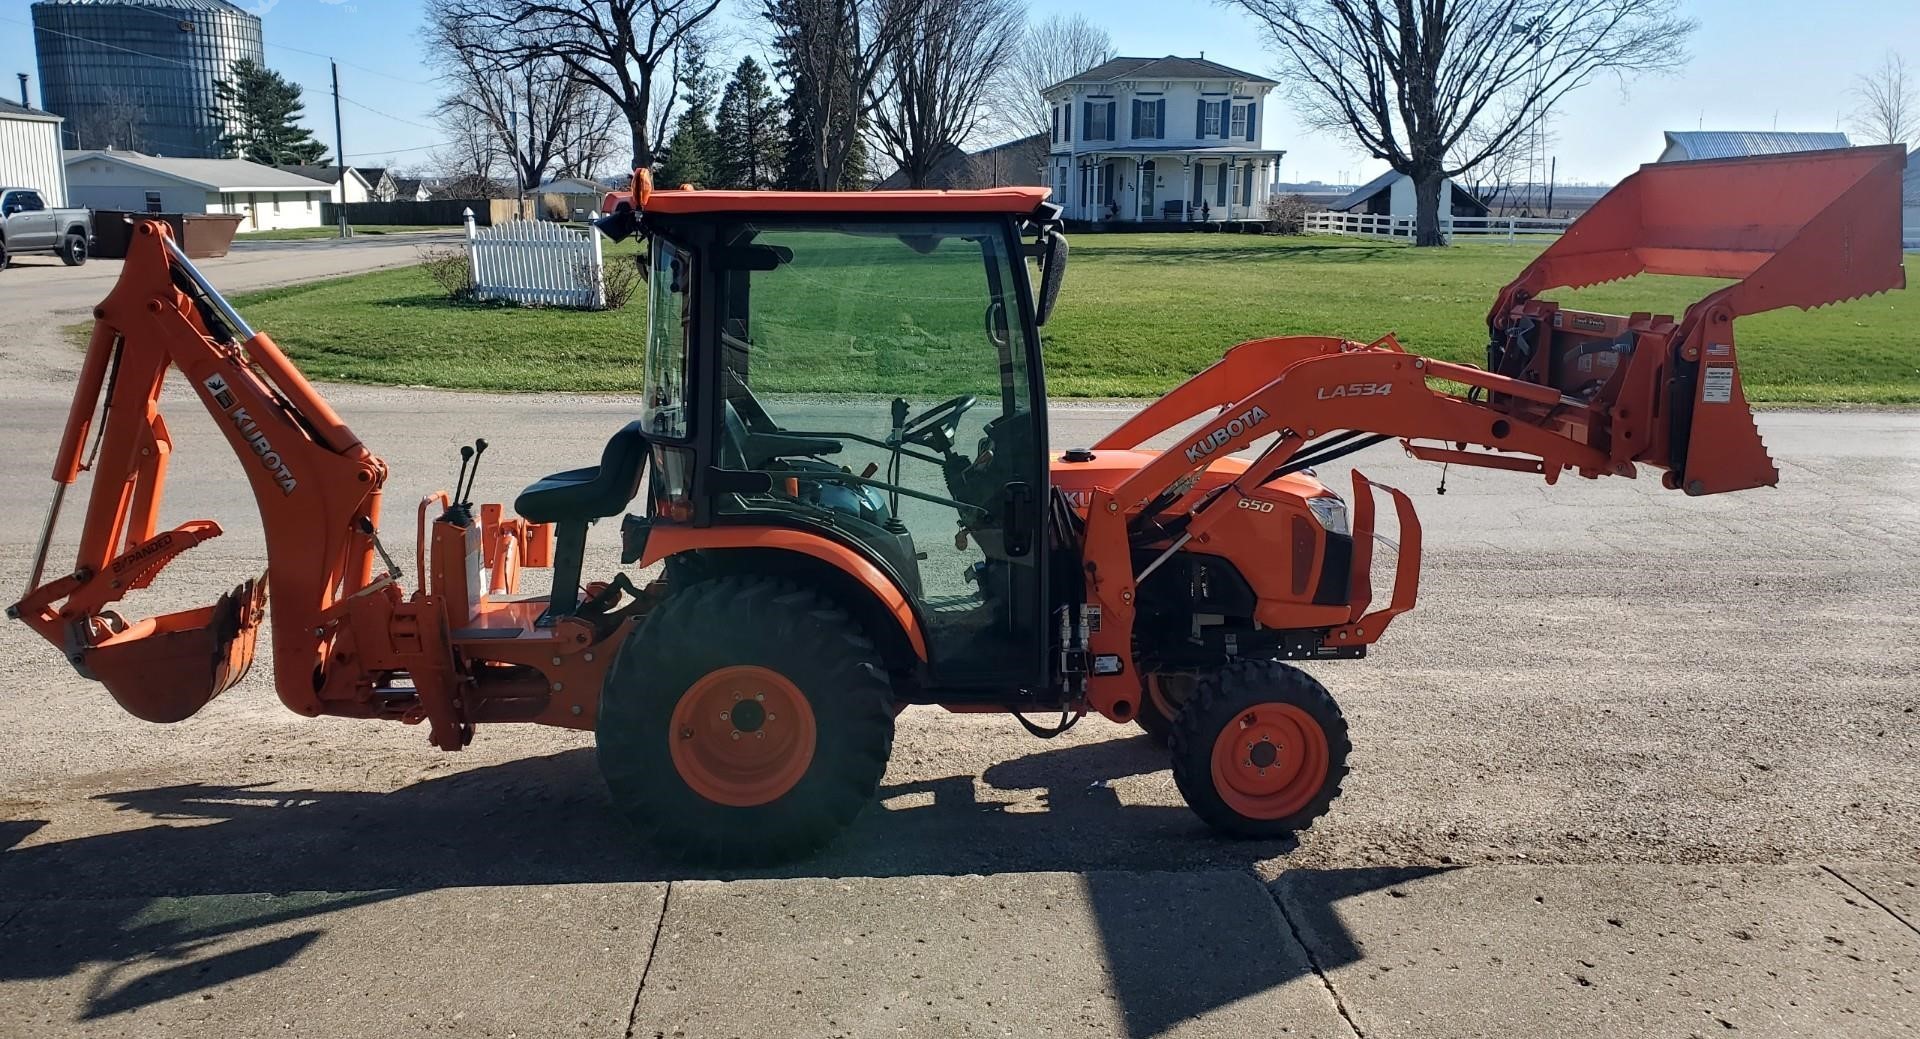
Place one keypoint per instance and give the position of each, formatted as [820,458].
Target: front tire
[73,250]
[746,722]
[1260,750]
[1163,695]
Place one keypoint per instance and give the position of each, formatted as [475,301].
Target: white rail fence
[1508,227]
[535,262]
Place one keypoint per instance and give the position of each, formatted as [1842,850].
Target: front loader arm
[1563,390]
[316,486]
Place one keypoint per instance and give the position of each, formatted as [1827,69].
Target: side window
[1239,121]
[1212,126]
[30,202]
[664,397]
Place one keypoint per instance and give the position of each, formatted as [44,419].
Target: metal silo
[140,75]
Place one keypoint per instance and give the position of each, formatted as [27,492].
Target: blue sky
[1756,65]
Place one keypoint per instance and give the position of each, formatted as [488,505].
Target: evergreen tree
[261,109]
[693,150]
[791,21]
[752,139]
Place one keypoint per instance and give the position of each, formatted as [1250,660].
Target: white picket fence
[534,262]
[1510,227]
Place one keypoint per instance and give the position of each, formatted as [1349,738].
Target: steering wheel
[942,418]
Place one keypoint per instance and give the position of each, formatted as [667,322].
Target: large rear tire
[1260,750]
[746,722]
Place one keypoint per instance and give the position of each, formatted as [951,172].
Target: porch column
[1186,189]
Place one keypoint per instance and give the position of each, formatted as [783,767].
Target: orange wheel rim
[1270,761]
[742,736]
[1157,692]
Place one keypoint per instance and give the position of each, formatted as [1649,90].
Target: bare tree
[467,164]
[1050,51]
[587,147]
[1410,80]
[836,57]
[1889,103]
[531,106]
[116,121]
[613,46]
[938,80]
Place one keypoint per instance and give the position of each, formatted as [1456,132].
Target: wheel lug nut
[759,696]
[686,734]
[723,716]
[760,734]
[736,694]
[736,734]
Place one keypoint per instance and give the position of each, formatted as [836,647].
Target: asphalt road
[1600,674]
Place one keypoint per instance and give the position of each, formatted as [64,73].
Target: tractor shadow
[1175,945]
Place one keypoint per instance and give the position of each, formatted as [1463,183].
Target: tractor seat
[579,495]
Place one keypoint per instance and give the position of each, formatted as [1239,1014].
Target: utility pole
[340,150]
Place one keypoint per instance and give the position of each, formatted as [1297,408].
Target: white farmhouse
[1161,139]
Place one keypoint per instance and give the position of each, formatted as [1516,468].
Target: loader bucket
[1802,229]
[164,669]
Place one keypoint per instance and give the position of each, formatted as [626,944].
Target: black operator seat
[579,495]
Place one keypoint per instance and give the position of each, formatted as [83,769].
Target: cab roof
[1016,200]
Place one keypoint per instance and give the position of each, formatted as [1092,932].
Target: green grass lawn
[289,234]
[1138,314]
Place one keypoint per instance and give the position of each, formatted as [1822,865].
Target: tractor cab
[857,374]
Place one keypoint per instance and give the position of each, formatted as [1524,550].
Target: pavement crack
[17,910]
[1864,893]
[1339,1005]
[633,1012]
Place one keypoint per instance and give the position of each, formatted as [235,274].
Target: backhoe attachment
[316,487]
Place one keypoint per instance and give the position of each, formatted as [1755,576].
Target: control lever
[459,510]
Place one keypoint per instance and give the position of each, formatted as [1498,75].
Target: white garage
[30,152]
[266,197]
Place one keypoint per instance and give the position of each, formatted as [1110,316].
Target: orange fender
[669,541]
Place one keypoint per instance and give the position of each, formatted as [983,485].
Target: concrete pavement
[1693,716]
[1379,952]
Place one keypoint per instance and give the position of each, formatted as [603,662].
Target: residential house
[1392,194]
[380,186]
[1161,139]
[411,189]
[268,198]
[30,152]
[1015,163]
[357,188]
[1735,144]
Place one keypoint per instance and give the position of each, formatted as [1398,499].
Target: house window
[276,203]
[1149,120]
[153,202]
[1239,121]
[1098,129]
[1210,126]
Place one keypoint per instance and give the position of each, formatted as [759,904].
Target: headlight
[1331,512]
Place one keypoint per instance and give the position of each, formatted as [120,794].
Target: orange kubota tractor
[831,556]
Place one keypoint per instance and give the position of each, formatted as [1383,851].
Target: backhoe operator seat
[576,498]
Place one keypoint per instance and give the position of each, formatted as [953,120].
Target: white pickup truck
[27,225]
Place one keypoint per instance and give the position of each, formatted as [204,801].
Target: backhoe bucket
[164,669]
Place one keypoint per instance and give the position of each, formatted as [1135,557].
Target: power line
[192,65]
[352,65]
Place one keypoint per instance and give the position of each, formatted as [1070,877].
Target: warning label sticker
[1716,386]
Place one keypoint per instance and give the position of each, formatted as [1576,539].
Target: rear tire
[1260,750]
[73,250]
[747,722]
